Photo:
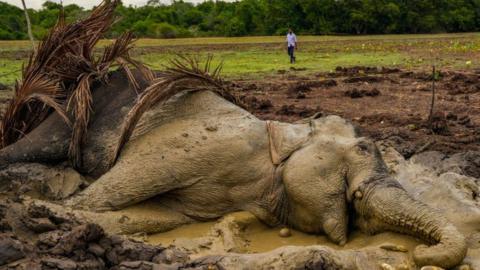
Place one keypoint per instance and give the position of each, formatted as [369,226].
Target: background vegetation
[244,57]
[263,17]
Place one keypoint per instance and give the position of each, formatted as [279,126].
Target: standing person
[291,45]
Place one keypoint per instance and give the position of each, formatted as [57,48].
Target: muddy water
[185,231]
[262,238]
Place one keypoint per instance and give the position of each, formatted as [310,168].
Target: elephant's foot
[146,217]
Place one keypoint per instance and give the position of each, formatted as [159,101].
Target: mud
[437,161]
[36,237]
[259,237]
[355,93]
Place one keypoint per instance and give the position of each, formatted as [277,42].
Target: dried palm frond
[118,54]
[184,74]
[89,70]
[29,106]
[80,103]
[50,71]
[66,62]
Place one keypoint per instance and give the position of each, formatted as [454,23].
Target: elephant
[200,157]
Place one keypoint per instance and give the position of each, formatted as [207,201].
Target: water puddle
[262,238]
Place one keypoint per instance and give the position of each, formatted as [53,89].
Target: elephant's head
[315,193]
[382,204]
[331,167]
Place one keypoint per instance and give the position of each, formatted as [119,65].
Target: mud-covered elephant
[175,141]
[200,157]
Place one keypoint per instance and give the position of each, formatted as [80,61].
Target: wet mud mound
[365,70]
[33,237]
[355,93]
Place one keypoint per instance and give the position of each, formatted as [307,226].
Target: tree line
[262,17]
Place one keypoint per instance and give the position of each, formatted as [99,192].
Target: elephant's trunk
[386,206]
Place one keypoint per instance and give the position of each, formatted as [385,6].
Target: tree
[259,17]
[29,26]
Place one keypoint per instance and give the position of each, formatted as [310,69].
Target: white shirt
[291,39]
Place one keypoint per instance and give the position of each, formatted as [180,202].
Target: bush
[282,31]
[141,28]
[4,35]
[235,27]
[39,32]
[166,30]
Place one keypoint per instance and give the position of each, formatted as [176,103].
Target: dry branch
[29,26]
[59,77]
[432,102]
[60,74]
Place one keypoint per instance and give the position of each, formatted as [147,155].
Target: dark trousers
[291,53]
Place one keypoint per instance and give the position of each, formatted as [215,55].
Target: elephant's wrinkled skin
[203,157]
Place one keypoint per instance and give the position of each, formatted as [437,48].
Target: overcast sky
[84,3]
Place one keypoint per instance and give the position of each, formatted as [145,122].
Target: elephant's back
[106,128]
[197,124]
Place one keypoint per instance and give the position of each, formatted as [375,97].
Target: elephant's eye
[363,148]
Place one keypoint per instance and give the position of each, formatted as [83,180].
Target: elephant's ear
[285,139]
[334,126]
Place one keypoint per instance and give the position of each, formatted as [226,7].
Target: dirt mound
[299,90]
[462,83]
[355,93]
[292,110]
[298,69]
[420,75]
[256,104]
[368,79]
[439,124]
[365,69]
[323,83]
[355,69]
[43,240]
[465,78]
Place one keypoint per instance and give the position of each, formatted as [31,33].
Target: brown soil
[386,104]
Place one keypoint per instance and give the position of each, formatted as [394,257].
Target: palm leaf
[184,74]
[80,103]
[37,96]
[62,71]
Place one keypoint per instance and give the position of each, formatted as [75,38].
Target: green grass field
[258,56]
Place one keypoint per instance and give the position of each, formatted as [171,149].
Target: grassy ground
[258,63]
[257,56]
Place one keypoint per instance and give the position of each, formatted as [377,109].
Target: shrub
[166,30]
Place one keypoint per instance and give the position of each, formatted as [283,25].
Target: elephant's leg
[147,217]
[130,181]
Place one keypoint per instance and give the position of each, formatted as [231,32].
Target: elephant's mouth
[386,206]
